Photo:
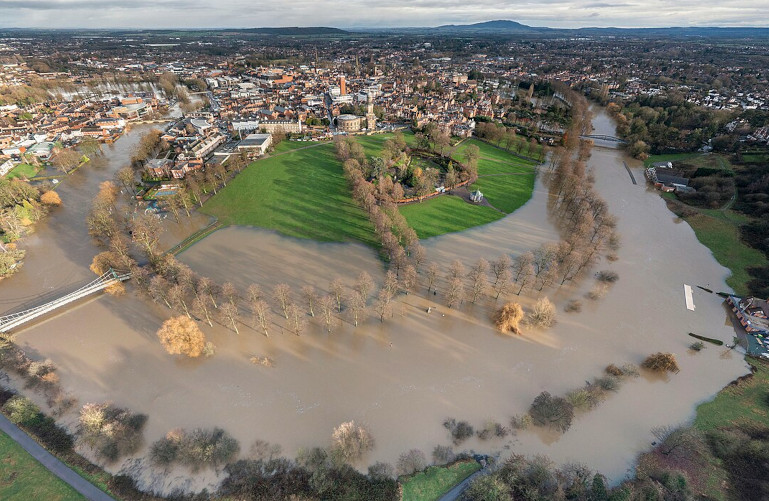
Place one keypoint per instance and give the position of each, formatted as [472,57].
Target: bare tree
[525,279]
[207,289]
[417,253]
[391,283]
[479,281]
[383,306]
[356,307]
[337,290]
[503,285]
[326,306]
[230,293]
[145,231]
[296,319]
[364,285]
[498,266]
[456,270]
[409,279]
[522,264]
[158,289]
[230,313]
[282,294]
[200,308]
[261,312]
[432,275]
[254,293]
[177,298]
[455,292]
[310,298]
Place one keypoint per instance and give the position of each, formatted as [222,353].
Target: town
[397,264]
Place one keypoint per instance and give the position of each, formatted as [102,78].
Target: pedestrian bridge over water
[13,320]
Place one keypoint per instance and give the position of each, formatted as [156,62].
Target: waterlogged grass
[22,478]
[722,237]
[446,214]
[434,482]
[23,171]
[743,403]
[301,193]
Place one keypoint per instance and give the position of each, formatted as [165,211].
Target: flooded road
[403,377]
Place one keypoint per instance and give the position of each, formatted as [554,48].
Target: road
[456,493]
[55,466]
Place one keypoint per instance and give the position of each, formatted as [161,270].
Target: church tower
[370,117]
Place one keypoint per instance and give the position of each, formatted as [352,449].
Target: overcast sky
[378,13]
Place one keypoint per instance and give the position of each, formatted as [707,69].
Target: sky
[379,13]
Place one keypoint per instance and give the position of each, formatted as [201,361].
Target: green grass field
[23,171]
[432,483]
[22,478]
[285,146]
[722,237]
[301,194]
[446,214]
[743,403]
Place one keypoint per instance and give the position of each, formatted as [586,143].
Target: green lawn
[507,192]
[284,146]
[22,478]
[746,402]
[722,236]
[302,194]
[23,171]
[431,484]
[446,214]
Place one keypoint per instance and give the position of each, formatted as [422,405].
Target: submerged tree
[182,336]
[508,318]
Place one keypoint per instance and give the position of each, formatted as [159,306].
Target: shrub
[492,429]
[50,198]
[460,431]
[608,383]
[508,318]
[607,276]
[521,422]
[542,314]
[20,410]
[573,306]
[661,362]
[411,461]
[584,398]
[380,471]
[555,412]
[261,450]
[697,346]
[350,442]
[182,336]
[630,370]
[613,370]
[198,448]
[598,291]
[443,454]
[112,432]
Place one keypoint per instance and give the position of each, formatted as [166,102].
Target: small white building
[256,143]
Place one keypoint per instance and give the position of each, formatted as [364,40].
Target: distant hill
[498,26]
[294,30]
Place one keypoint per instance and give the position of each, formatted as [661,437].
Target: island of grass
[23,478]
[300,193]
[506,181]
[435,481]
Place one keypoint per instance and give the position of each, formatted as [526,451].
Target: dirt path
[55,466]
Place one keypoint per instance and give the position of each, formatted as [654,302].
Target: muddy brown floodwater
[402,378]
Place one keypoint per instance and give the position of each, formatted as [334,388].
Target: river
[401,378]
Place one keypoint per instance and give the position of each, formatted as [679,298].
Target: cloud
[375,13]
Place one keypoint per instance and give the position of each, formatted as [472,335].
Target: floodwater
[401,378]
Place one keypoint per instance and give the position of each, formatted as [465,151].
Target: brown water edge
[404,377]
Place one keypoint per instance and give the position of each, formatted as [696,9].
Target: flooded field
[405,376]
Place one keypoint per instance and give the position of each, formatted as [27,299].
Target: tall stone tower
[370,117]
